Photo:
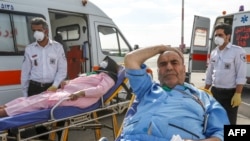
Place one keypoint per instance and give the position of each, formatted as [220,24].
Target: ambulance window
[200,37]
[112,42]
[15,33]
[6,40]
[69,32]
[227,20]
[21,31]
[241,36]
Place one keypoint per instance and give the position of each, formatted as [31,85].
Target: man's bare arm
[134,59]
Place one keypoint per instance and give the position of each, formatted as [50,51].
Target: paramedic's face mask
[39,35]
[40,32]
[219,41]
[220,38]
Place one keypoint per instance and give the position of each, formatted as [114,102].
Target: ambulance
[201,45]
[88,33]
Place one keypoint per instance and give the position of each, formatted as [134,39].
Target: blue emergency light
[241,8]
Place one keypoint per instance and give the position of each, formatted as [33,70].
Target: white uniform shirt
[227,67]
[43,64]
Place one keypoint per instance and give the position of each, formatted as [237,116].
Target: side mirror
[136,47]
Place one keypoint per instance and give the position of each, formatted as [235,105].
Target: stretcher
[132,108]
[70,116]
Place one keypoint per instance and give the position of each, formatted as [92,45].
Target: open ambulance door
[199,46]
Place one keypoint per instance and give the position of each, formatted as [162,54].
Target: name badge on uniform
[34,58]
[227,66]
[52,61]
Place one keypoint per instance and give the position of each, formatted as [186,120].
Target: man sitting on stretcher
[81,92]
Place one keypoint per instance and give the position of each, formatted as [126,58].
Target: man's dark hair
[39,21]
[226,27]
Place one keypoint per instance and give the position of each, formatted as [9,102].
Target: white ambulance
[88,33]
[202,45]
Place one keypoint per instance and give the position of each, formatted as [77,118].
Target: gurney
[71,116]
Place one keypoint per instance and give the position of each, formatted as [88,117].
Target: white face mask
[38,35]
[104,64]
[218,41]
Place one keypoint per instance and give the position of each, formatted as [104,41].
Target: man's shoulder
[195,90]
[55,44]
[235,47]
[30,46]
[190,86]
[214,50]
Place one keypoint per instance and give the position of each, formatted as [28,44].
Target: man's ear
[228,37]
[47,32]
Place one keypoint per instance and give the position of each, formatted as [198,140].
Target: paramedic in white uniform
[44,66]
[226,71]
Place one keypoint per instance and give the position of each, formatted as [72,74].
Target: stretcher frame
[85,120]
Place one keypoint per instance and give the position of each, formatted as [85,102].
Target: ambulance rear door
[241,35]
[199,46]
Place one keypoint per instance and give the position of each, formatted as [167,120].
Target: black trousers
[36,88]
[224,97]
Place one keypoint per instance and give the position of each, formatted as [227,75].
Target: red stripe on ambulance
[199,57]
[10,77]
[248,58]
